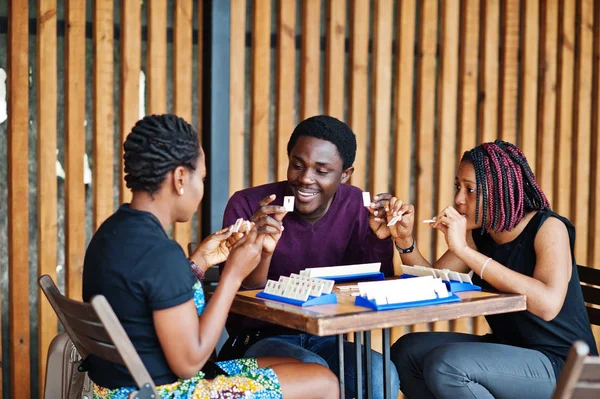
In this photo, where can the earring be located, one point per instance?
(181, 191)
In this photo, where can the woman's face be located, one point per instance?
(465, 196)
(193, 189)
(315, 172)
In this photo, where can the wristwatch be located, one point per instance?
(406, 250)
(197, 270)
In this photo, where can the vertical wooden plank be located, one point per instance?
(381, 98)
(403, 112)
(156, 58)
(509, 74)
(285, 84)
(261, 64)
(547, 98)
(200, 91)
(468, 94)
(428, 27)
(488, 110)
(468, 90)
(237, 73)
(564, 143)
(594, 253)
(47, 91)
(310, 58)
(335, 58)
(18, 193)
(358, 86)
(75, 146)
(103, 109)
(581, 182)
(447, 116)
(182, 85)
(529, 78)
(129, 83)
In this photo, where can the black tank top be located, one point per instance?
(524, 329)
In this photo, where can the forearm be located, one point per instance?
(541, 298)
(258, 277)
(412, 258)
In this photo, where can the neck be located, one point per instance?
(508, 236)
(143, 201)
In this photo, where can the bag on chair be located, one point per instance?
(63, 378)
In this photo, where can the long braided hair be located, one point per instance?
(157, 145)
(506, 184)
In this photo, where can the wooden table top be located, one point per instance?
(345, 317)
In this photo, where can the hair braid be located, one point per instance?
(157, 145)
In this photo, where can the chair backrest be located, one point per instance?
(95, 329)
(590, 286)
(580, 377)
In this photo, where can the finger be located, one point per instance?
(382, 196)
(223, 234)
(268, 230)
(268, 210)
(267, 200)
(269, 221)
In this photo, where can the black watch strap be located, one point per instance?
(407, 250)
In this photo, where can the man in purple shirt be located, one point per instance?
(330, 226)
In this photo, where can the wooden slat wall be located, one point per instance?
(237, 94)
(310, 58)
(103, 176)
(285, 84)
(18, 193)
(261, 63)
(129, 83)
(447, 116)
(47, 95)
(182, 89)
(75, 145)
(403, 111)
(526, 71)
(381, 96)
(547, 101)
(358, 86)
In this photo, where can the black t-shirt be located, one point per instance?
(524, 329)
(134, 264)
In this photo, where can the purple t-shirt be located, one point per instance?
(341, 237)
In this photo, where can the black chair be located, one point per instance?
(590, 286)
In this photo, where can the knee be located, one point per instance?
(403, 350)
(328, 381)
(442, 368)
(279, 348)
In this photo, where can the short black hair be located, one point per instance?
(328, 128)
(156, 146)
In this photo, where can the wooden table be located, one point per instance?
(344, 317)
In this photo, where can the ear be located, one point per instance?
(346, 174)
(178, 178)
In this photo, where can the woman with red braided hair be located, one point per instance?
(502, 228)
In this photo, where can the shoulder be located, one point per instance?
(350, 194)
(256, 194)
(553, 231)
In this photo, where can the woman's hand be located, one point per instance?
(402, 230)
(268, 219)
(245, 254)
(377, 215)
(215, 248)
(454, 227)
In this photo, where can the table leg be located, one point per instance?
(358, 365)
(368, 376)
(340, 340)
(387, 380)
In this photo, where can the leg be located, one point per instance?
(307, 381)
(284, 345)
(408, 354)
(273, 361)
(326, 347)
(487, 370)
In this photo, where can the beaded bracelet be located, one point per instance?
(197, 270)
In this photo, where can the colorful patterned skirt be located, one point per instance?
(244, 380)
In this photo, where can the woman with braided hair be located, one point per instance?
(502, 228)
(149, 282)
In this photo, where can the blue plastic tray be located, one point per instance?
(361, 301)
(312, 300)
(452, 285)
(377, 276)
